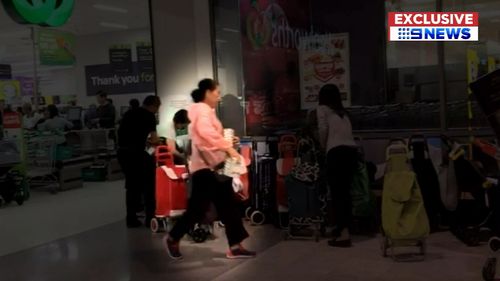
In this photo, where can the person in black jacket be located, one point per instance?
(137, 129)
(106, 112)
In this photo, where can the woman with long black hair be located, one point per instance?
(335, 132)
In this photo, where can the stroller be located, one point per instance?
(305, 201)
(490, 267)
(404, 220)
(363, 199)
(13, 184)
(262, 193)
(287, 148)
(473, 221)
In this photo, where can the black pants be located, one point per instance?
(206, 189)
(139, 169)
(341, 165)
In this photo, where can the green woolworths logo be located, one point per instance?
(41, 12)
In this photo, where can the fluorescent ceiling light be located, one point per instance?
(113, 25)
(110, 8)
(231, 30)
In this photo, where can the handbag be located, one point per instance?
(215, 160)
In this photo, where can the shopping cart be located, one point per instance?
(12, 180)
(41, 162)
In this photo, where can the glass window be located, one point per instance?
(412, 77)
(229, 64)
(466, 61)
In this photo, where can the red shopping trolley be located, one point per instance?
(171, 190)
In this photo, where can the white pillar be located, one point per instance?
(183, 53)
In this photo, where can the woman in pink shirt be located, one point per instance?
(209, 151)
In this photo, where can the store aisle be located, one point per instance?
(45, 217)
(114, 253)
(447, 259)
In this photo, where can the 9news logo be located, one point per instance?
(433, 26)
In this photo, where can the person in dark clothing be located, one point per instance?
(134, 104)
(336, 136)
(106, 112)
(137, 129)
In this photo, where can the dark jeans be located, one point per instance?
(139, 169)
(206, 189)
(341, 165)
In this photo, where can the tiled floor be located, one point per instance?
(101, 248)
(47, 217)
(115, 253)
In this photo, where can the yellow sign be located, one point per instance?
(9, 90)
(472, 66)
(491, 64)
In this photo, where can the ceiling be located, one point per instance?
(89, 17)
(93, 16)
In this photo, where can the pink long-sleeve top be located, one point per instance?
(206, 133)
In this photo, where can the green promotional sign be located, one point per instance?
(56, 47)
(41, 12)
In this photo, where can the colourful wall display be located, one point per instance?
(56, 47)
(271, 32)
(10, 91)
(324, 60)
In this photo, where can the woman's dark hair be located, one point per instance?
(134, 103)
(204, 85)
(102, 94)
(329, 95)
(151, 101)
(181, 117)
(53, 111)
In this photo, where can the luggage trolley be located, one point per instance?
(404, 220)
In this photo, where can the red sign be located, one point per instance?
(271, 32)
(11, 120)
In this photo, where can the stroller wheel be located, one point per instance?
(489, 269)
(155, 225)
(199, 235)
(20, 202)
(494, 244)
(258, 218)
(248, 212)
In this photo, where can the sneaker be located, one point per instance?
(240, 253)
(340, 243)
(172, 248)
